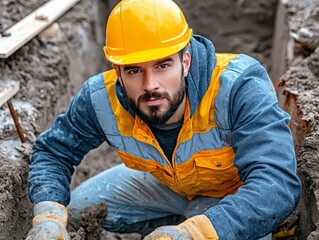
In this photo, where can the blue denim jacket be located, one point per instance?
(258, 133)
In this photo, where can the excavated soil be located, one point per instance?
(51, 69)
(301, 90)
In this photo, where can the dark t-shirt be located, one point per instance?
(167, 136)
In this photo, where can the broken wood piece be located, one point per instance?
(31, 25)
(53, 30)
(7, 90)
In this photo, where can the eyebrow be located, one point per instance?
(126, 68)
(163, 61)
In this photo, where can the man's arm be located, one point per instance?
(265, 159)
(58, 149)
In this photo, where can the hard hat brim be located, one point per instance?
(146, 55)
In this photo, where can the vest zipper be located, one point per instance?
(174, 172)
(155, 144)
(172, 165)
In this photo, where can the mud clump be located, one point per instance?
(89, 226)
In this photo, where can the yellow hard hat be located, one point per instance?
(145, 30)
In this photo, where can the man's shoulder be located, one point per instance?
(241, 68)
(98, 82)
(241, 63)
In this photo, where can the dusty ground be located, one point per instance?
(51, 70)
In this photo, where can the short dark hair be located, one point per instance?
(180, 54)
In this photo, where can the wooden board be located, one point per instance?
(31, 25)
(7, 90)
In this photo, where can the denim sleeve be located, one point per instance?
(265, 160)
(63, 145)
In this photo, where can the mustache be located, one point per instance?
(149, 95)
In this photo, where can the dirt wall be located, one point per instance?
(297, 50)
(51, 69)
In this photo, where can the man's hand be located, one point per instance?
(49, 222)
(169, 233)
(198, 228)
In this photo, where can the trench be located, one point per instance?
(52, 69)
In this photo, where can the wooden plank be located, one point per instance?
(7, 90)
(31, 25)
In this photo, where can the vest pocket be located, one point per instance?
(183, 181)
(216, 169)
(188, 178)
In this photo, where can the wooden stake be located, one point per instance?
(16, 121)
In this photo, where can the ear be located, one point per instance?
(118, 72)
(186, 62)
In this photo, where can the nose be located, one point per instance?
(150, 82)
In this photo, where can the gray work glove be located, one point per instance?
(49, 222)
(195, 228)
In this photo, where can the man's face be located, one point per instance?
(156, 90)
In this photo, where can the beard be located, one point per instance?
(155, 116)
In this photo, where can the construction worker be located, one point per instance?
(207, 152)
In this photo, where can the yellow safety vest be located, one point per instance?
(199, 168)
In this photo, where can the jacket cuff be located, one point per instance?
(50, 210)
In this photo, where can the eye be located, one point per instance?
(163, 66)
(133, 71)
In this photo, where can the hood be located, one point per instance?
(203, 62)
(198, 79)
